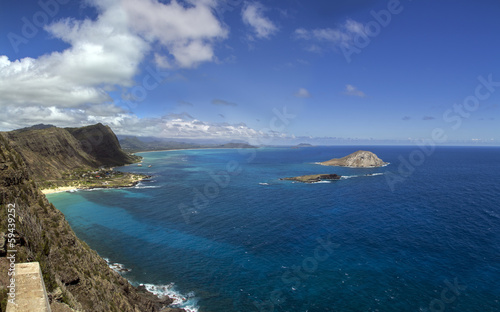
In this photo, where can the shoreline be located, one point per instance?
(194, 149)
(59, 189)
(179, 301)
(80, 187)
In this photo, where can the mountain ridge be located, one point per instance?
(51, 152)
(75, 276)
(135, 144)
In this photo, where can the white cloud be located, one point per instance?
(184, 126)
(302, 93)
(353, 91)
(188, 33)
(180, 126)
(102, 54)
(253, 15)
(14, 117)
(106, 52)
(71, 87)
(341, 36)
(163, 62)
(302, 33)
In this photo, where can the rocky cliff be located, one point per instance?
(51, 152)
(100, 142)
(74, 275)
(359, 159)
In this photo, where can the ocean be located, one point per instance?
(219, 230)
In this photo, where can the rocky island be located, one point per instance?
(314, 178)
(359, 159)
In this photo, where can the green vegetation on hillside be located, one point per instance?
(55, 155)
(74, 275)
(100, 178)
(100, 142)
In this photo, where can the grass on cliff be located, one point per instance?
(101, 178)
(3, 299)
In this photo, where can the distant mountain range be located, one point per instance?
(136, 144)
(50, 151)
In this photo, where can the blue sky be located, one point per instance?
(385, 71)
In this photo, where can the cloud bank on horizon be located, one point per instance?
(71, 87)
(147, 67)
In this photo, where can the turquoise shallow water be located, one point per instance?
(231, 236)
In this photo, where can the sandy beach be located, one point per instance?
(184, 149)
(59, 189)
(132, 181)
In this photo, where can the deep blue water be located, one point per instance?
(233, 237)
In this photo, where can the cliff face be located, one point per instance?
(100, 142)
(74, 275)
(359, 159)
(50, 152)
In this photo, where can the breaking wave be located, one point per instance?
(362, 175)
(187, 302)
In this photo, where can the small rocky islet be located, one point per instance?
(359, 159)
(313, 178)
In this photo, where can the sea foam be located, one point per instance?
(187, 302)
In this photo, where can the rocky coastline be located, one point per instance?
(75, 276)
(75, 186)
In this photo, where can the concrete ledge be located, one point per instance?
(29, 289)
